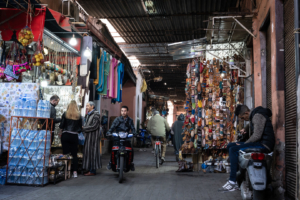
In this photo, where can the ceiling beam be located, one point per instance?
(144, 66)
(163, 16)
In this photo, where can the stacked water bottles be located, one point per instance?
(29, 157)
(43, 109)
(26, 106)
(3, 176)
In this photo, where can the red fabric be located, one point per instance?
(19, 22)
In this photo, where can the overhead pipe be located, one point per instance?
(227, 17)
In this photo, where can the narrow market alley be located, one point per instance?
(146, 183)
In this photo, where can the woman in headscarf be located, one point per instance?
(177, 138)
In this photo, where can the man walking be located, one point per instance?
(91, 149)
(158, 126)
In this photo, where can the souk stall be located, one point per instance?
(213, 90)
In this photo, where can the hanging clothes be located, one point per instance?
(100, 85)
(120, 81)
(94, 68)
(116, 80)
(97, 60)
(111, 92)
(106, 73)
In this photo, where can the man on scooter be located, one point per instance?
(123, 123)
(262, 136)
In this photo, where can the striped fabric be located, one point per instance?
(91, 149)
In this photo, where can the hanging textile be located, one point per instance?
(144, 86)
(94, 69)
(120, 81)
(100, 85)
(111, 92)
(106, 73)
(116, 80)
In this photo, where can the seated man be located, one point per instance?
(262, 137)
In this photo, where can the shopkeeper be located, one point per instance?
(54, 100)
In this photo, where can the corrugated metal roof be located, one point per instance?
(147, 35)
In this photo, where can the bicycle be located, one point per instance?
(158, 151)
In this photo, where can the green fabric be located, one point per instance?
(106, 74)
(158, 125)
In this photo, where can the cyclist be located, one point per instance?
(123, 123)
(158, 126)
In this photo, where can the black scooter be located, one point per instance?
(121, 154)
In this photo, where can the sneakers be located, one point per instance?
(162, 160)
(74, 174)
(229, 187)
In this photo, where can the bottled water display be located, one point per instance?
(2, 175)
(26, 105)
(43, 109)
(28, 161)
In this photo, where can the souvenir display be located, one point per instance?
(65, 94)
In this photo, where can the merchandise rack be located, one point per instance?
(33, 122)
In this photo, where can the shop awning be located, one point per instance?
(59, 25)
(12, 19)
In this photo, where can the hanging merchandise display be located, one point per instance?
(213, 90)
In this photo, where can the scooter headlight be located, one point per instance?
(122, 134)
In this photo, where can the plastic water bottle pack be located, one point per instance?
(28, 157)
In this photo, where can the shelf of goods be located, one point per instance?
(29, 151)
(213, 89)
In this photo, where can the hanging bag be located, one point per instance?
(81, 139)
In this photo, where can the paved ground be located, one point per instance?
(146, 183)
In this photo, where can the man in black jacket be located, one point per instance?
(123, 123)
(262, 137)
(54, 100)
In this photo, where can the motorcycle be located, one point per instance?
(143, 138)
(254, 174)
(121, 154)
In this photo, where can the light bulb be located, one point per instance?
(87, 52)
(73, 41)
(44, 83)
(46, 51)
(222, 75)
(165, 83)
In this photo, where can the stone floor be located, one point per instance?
(145, 183)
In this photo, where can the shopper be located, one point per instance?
(71, 125)
(91, 148)
(177, 129)
(158, 126)
(262, 137)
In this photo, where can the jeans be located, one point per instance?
(93, 171)
(233, 149)
(69, 143)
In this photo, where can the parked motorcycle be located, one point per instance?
(121, 154)
(254, 174)
(143, 138)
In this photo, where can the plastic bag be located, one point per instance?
(81, 139)
(38, 59)
(25, 36)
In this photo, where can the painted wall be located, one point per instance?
(113, 109)
(275, 8)
(128, 98)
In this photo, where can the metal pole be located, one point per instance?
(237, 21)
